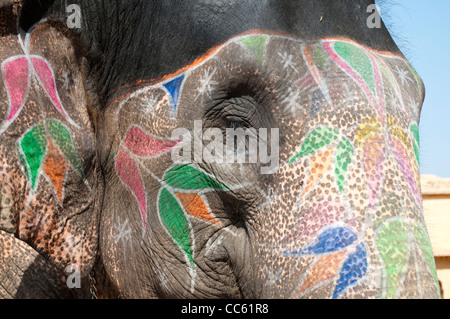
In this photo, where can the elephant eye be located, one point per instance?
(232, 112)
(234, 123)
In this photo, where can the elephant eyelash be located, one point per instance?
(236, 123)
(234, 113)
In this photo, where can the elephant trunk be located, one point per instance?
(365, 240)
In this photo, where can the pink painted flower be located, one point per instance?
(18, 73)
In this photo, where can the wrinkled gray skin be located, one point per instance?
(340, 217)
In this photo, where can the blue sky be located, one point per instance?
(422, 31)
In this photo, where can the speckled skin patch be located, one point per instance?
(342, 216)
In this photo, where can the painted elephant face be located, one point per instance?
(272, 166)
(329, 206)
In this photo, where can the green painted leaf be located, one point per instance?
(358, 60)
(344, 155)
(392, 243)
(187, 177)
(32, 150)
(415, 133)
(317, 139)
(414, 129)
(176, 223)
(256, 45)
(320, 57)
(63, 139)
(423, 242)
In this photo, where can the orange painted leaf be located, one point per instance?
(325, 268)
(55, 169)
(196, 206)
(319, 165)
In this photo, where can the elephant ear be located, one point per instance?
(51, 151)
(59, 66)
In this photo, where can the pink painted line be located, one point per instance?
(307, 83)
(142, 144)
(16, 77)
(374, 156)
(128, 172)
(379, 88)
(349, 70)
(45, 75)
(404, 161)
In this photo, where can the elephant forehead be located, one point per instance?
(303, 85)
(305, 77)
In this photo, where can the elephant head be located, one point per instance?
(267, 159)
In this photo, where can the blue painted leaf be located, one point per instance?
(353, 269)
(174, 89)
(331, 240)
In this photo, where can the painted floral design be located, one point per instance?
(18, 73)
(47, 149)
(184, 195)
(183, 189)
(377, 138)
(136, 146)
(327, 146)
(339, 252)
